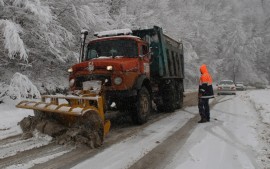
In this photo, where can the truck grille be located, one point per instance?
(80, 79)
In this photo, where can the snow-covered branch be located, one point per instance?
(3, 90)
(2, 3)
(21, 87)
(13, 42)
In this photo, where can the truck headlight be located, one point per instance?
(70, 70)
(109, 68)
(117, 80)
(71, 82)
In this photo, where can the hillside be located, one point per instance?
(40, 39)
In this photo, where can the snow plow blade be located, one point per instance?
(71, 108)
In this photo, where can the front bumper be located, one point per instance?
(120, 93)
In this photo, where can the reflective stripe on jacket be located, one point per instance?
(205, 86)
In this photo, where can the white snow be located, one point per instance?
(37, 161)
(114, 32)
(13, 148)
(236, 137)
(132, 149)
(232, 141)
(21, 87)
(13, 42)
(9, 117)
(262, 105)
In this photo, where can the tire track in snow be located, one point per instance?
(10, 139)
(233, 140)
(160, 156)
(24, 157)
(12, 148)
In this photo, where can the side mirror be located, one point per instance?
(151, 51)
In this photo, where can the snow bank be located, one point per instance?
(10, 116)
(260, 99)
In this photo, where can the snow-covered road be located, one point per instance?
(236, 137)
(232, 140)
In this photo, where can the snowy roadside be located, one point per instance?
(261, 101)
(10, 130)
(235, 139)
(9, 118)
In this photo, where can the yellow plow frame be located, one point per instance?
(76, 106)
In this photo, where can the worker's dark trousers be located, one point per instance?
(204, 108)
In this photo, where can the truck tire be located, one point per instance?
(168, 98)
(179, 97)
(143, 107)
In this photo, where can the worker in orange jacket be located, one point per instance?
(204, 94)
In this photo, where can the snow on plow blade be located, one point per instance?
(69, 107)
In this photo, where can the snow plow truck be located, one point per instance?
(120, 70)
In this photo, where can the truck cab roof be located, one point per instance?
(136, 38)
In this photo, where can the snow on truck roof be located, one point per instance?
(110, 37)
(113, 32)
(125, 33)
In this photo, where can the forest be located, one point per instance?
(40, 40)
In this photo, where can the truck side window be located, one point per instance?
(141, 50)
(145, 49)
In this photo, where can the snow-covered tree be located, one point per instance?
(21, 87)
(215, 32)
(13, 42)
(2, 3)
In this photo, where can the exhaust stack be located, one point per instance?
(84, 33)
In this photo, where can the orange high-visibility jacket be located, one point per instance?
(205, 86)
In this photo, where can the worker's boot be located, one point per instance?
(203, 120)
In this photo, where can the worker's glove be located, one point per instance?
(202, 90)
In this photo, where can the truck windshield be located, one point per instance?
(112, 48)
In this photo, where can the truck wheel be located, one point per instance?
(179, 101)
(169, 98)
(179, 95)
(143, 107)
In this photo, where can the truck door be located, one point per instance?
(144, 59)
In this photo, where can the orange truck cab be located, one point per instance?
(135, 67)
